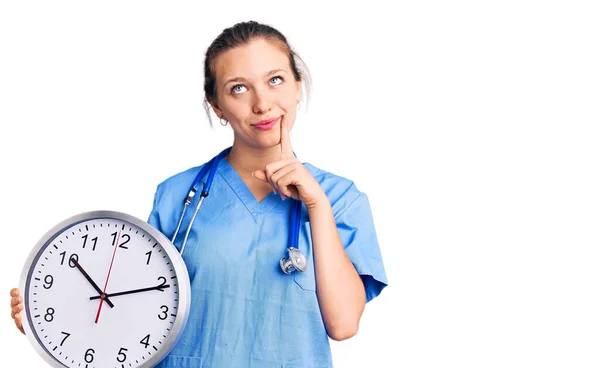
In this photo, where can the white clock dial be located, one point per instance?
(104, 289)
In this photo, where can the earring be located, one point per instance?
(226, 122)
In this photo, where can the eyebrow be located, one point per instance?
(239, 79)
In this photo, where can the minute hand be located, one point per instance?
(159, 287)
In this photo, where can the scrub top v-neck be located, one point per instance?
(257, 209)
(245, 312)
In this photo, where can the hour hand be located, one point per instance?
(159, 287)
(85, 274)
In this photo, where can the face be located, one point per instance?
(255, 84)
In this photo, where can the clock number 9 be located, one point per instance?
(89, 354)
(48, 280)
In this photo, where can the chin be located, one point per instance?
(264, 142)
(270, 143)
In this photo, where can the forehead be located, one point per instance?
(250, 60)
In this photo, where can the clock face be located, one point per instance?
(104, 291)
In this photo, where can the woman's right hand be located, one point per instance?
(16, 305)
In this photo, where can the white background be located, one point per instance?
(471, 125)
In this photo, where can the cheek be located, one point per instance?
(288, 100)
(236, 109)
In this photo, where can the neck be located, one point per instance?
(245, 159)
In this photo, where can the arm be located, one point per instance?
(340, 290)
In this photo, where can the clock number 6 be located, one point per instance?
(89, 354)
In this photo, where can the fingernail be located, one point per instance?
(282, 197)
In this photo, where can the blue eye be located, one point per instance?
(234, 91)
(277, 77)
(239, 88)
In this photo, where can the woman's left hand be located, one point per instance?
(288, 176)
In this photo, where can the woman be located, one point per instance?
(247, 312)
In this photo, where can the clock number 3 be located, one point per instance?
(164, 312)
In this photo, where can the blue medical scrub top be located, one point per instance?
(245, 312)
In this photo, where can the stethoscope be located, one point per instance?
(296, 261)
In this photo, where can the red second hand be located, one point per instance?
(107, 276)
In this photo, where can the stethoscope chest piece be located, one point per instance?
(296, 261)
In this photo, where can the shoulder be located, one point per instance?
(342, 192)
(178, 183)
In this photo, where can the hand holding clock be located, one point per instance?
(52, 303)
(16, 301)
(16, 305)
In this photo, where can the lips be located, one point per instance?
(266, 122)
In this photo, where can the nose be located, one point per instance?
(262, 102)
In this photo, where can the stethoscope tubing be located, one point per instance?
(211, 168)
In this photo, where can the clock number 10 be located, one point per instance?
(72, 259)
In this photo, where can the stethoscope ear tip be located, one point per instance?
(296, 261)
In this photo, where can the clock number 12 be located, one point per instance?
(124, 236)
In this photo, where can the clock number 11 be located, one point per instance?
(85, 241)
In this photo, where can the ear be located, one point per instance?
(216, 109)
(299, 90)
